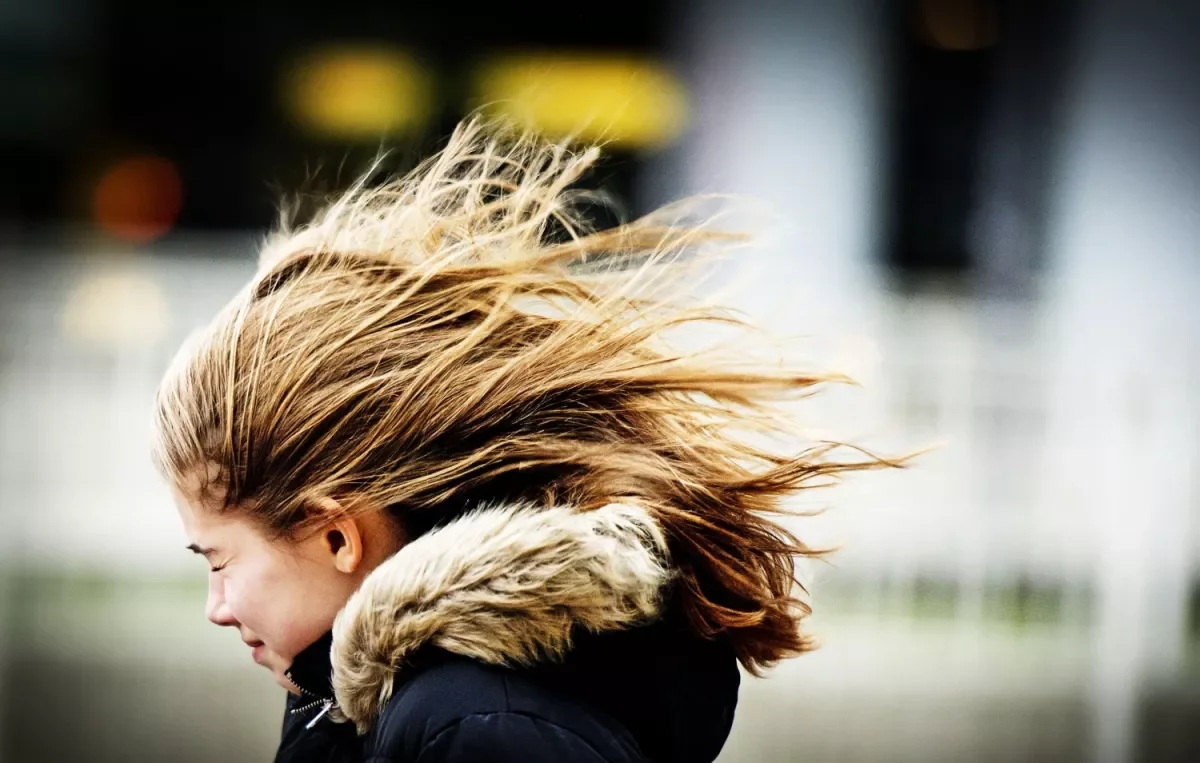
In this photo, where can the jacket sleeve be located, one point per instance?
(506, 737)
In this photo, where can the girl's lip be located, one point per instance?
(257, 651)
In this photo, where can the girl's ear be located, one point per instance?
(340, 542)
(344, 541)
(354, 539)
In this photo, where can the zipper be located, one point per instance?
(320, 715)
(326, 704)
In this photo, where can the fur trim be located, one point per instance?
(505, 586)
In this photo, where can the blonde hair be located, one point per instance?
(449, 339)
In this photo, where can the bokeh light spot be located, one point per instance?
(138, 199)
(358, 93)
(622, 100)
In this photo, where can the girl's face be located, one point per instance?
(280, 595)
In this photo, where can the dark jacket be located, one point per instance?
(514, 635)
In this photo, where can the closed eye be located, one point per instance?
(207, 553)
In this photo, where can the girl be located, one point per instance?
(454, 487)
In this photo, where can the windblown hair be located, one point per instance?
(457, 337)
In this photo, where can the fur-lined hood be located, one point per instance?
(505, 585)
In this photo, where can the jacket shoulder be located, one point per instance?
(455, 708)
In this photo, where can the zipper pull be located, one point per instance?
(328, 706)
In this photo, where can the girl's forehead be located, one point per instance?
(201, 512)
(202, 488)
(197, 516)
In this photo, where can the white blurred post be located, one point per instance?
(786, 102)
(1125, 287)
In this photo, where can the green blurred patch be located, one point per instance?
(1025, 603)
(1017, 604)
(935, 599)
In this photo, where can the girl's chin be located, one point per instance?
(283, 681)
(277, 665)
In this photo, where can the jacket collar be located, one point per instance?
(311, 670)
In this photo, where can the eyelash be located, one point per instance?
(217, 569)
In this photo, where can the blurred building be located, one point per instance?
(986, 212)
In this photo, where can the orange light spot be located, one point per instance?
(138, 199)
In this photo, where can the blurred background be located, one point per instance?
(987, 212)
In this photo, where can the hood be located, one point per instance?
(506, 586)
(581, 598)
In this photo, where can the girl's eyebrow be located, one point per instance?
(198, 550)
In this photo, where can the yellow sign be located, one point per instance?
(622, 100)
(359, 93)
